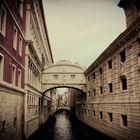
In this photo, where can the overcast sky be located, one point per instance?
(79, 30)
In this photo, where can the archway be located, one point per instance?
(52, 101)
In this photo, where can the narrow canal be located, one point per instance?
(60, 127)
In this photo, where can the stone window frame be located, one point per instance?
(110, 117)
(1, 67)
(19, 78)
(3, 126)
(101, 115)
(15, 37)
(101, 90)
(94, 92)
(124, 82)
(110, 85)
(88, 112)
(19, 5)
(94, 113)
(20, 45)
(124, 120)
(3, 21)
(88, 78)
(94, 75)
(101, 70)
(15, 122)
(123, 55)
(109, 64)
(13, 75)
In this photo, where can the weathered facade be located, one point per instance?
(113, 83)
(24, 52)
(12, 68)
(28, 78)
(37, 56)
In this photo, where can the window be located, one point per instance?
(109, 64)
(94, 92)
(88, 78)
(93, 113)
(55, 76)
(15, 38)
(89, 112)
(20, 45)
(101, 90)
(101, 70)
(2, 20)
(94, 76)
(110, 87)
(1, 67)
(72, 76)
(13, 75)
(19, 4)
(19, 78)
(85, 112)
(89, 93)
(101, 115)
(123, 56)
(110, 117)
(124, 83)
(3, 126)
(15, 120)
(124, 120)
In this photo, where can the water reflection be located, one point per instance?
(60, 127)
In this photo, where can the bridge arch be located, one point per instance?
(61, 86)
(63, 74)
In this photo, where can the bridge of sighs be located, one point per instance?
(63, 74)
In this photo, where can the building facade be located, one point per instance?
(112, 105)
(24, 52)
(12, 68)
(37, 56)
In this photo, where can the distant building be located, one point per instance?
(63, 100)
(112, 105)
(12, 68)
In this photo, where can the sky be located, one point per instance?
(80, 30)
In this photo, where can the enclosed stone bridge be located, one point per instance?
(63, 74)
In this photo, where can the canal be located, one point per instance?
(60, 127)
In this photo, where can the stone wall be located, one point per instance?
(112, 105)
(11, 115)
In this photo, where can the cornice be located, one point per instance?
(31, 47)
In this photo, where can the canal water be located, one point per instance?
(60, 127)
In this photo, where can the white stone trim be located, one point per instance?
(8, 88)
(13, 75)
(15, 20)
(20, 45)
(15, 37)
(19, 78)
(1, 67)
(4, 22)
(11, 56)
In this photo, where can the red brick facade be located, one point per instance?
(11, 56)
